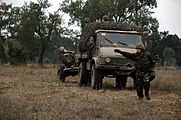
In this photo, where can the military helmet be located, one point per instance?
(105, 18)
(87, 20)
(140, 46)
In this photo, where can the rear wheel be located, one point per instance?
(96, 78)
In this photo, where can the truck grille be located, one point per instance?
(117, 62)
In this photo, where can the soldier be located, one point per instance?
(142, 68)
(105, 18)
(87, 20)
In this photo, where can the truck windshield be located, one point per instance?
(122, 39)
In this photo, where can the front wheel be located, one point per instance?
(96, 78)
(121, 81)
(118, 81)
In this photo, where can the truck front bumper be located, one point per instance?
(116, 70)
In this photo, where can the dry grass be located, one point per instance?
(30, 93)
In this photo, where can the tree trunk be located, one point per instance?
(40, 56)
(8, 58)
(6, 51)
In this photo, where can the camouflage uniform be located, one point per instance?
(142, 71)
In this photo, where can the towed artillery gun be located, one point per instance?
(96, 56)
(70, 67)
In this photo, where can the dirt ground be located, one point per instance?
(31, 93)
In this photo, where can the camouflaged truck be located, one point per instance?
(97, 56)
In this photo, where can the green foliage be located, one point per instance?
(38, 28)
(134, 12)
(11, 53)
(28, 26)
(23, 30)
(168, 54)
(172, 42)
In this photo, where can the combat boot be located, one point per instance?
(148, 97)
(141, 99)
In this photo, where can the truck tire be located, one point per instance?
(134, 81)
(96, 78)
(82, 74)
(118, 81)
(61, 74)
(121, 81)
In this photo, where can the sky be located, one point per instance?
(167, 13)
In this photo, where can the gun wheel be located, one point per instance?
(61, 74)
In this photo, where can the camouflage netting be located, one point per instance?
(90, 28)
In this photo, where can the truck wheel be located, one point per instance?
(82, 74)
(134, 81)
(118, 81)
(123, 81)
(96, 78)
(61, 74)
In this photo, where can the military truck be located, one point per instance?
(98, 59)
(96, 56)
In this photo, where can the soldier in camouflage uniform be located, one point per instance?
(142, 69)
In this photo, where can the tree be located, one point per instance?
(171, 41)
(37, 27)
(4, 15)
(168, 54)
(9, 18)
(136, 12)
(27, 29)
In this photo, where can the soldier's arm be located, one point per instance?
(131, 56)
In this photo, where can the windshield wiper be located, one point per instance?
(123, 43)
(108, 40)
(118, 42)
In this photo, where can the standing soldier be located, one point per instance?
(85, 35)
(143, 63)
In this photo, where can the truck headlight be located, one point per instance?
(108, 60)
